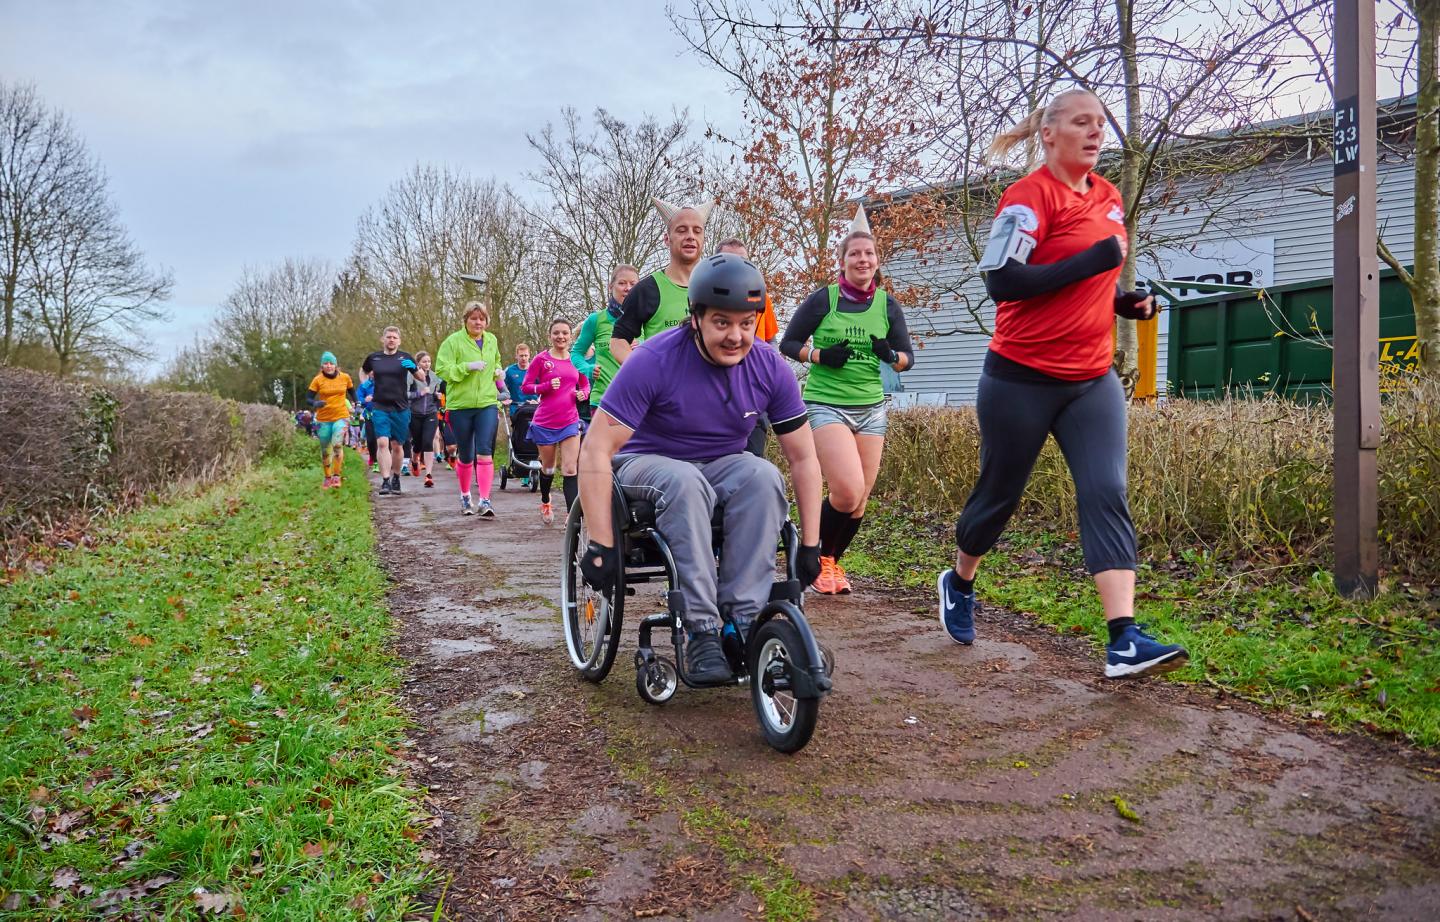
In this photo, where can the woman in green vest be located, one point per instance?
(469, 363)
(842, 333)
(595, 333)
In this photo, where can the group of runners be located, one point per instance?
(669, 393)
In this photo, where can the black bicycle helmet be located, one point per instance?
(728, 282)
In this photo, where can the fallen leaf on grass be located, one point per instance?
(359, 902)
(64, 878)
(84, 714)
(217, 903)
(133, 891)
(314, 849)
(140, 640)
(40, 795)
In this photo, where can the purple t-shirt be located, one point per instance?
(682, 407)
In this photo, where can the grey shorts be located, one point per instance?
(859, 420)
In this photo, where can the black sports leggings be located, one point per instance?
(422, 432)
(1088, 421)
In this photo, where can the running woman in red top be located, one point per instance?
(555, 427)
(1052, 266)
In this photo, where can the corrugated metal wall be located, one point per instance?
(1290, 202)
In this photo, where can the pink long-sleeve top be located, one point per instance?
(557, 405)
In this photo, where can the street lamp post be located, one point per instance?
(1356, 303)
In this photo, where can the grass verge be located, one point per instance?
(199, 715)
(1281, 638)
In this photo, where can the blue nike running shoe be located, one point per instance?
(957, 611)
(1136, 653)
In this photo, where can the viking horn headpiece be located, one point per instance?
(860, 222)
(668, 211)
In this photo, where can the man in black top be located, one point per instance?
(390, 409)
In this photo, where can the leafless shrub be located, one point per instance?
(1238, 478)
(78, 450)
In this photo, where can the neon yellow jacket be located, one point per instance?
(466, 389)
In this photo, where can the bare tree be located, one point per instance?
(598, 184)
(1423, 281)
(828, 124)
(41, 158)
(411, 248)
(1168, 72)
(267, 338)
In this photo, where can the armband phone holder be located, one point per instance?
(1007, 241)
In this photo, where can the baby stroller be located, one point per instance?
(524, 456)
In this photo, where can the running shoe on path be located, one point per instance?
(957, 610)
(1136, 653)
(825, 582)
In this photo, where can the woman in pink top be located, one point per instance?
(555, 428)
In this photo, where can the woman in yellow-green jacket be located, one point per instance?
(468, 361)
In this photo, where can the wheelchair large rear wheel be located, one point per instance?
(776, 654)
(591, 619)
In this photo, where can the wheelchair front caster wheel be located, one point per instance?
(656, 681)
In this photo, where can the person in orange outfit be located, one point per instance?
(331, 394)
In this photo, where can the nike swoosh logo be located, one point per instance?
(1127, 653)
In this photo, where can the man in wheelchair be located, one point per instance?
(672, 428)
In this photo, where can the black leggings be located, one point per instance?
(1088, 421)
(370, 440)
(422, 433)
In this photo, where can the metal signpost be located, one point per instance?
(1356, 303)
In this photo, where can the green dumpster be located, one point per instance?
(1277, 341)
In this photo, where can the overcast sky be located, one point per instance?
(241, 133)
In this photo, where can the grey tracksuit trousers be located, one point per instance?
(1089, 423)
(751, 494)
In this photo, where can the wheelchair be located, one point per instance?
(786, 669)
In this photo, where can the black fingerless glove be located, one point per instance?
(1127, 305)
(835, 356)
(883, 350)
(600, 566)
(807, 564)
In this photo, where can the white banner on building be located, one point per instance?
(1247, 261)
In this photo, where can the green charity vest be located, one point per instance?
(857, 383)
(605, 364)
(674, 306)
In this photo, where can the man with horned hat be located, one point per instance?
(659, 300)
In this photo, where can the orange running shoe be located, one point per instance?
(842, 582)
(547, 515)
(825, 582)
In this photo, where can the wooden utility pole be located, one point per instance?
(1356, 303)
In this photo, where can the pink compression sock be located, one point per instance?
(484, 476)
(463, 472)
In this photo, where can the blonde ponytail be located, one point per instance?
(1024, 130)
(1028, 129)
